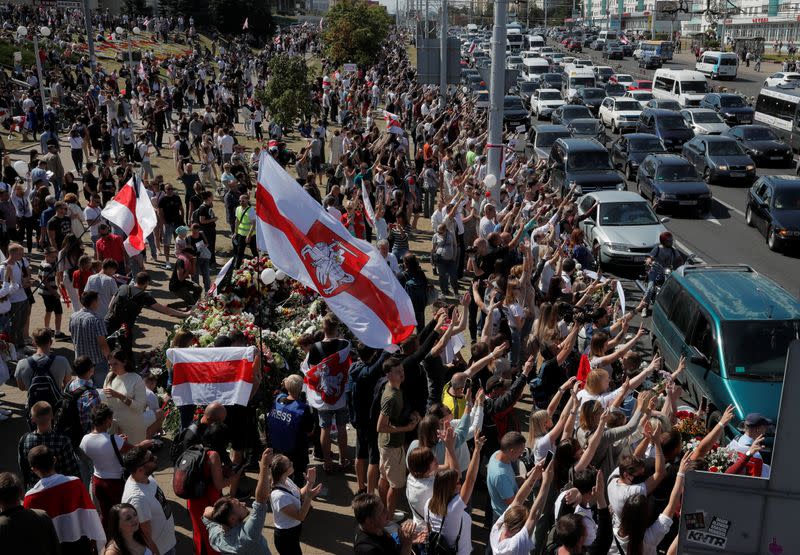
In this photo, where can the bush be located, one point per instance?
(286, 93)
(354, 31)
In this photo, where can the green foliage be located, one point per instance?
(354, 31)
(286, 93)
(229, 15)
(7, 50)
(187, 8)
(136, 7)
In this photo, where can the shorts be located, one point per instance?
(326, 418)
(367, 446)
(52, 304)
(238, 422)
(169, 232)
(393, 466)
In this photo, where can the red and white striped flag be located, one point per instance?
(67, 503)
(220, 277)
(472, 47)
(368, 209)
(393, 123)
(325, 381)
(132, 211)
(203, 375)
(314, 248)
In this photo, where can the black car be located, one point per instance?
(762, 144)
(628, 151)
(551, 80)
(773, 207)
(584, 163)
(720, 159)
(730, 106)
(514, 112)
(568, 112)
(603, 73)
(591, 97)
(663, 104)
(615, 89)
(671, 182)
(587, 128)
(525, 89)
(667, 125)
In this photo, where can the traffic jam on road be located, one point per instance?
(652, 144)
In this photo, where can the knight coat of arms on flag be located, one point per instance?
(325, 381)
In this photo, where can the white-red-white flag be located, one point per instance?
(132, 212)
(472, 46)
(200, 376)
(368, 209)
(393, 123)
(326, 380)
(221, 277)
(66, 501)
(313, 247)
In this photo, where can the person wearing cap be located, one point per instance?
(181, 283)
(755, 426)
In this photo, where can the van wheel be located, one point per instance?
(748, 216)
(707, 175)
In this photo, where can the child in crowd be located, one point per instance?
(49, 290)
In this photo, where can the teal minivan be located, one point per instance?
(734, 327)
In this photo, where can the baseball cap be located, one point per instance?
(756, 419)
(496, 381)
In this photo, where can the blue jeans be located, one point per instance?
(100, 372)
(448, 272)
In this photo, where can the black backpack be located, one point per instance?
(188, 481)
(186, 438)
(67, 417)
(123, 308)
(437, 545)
(43, 386)
(137, 153)
(183, 148)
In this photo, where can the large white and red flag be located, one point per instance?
(313, 247)
(66, 501)
(132, 211)
(326, 380)
(368, 209)
(200, 376)
(393, 123)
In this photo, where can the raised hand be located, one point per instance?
(727, 416)
(311, 476)
(480, 440)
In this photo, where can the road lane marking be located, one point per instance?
(686, 250)
(709, 217)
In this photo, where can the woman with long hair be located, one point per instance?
(125, 536)
(601, 344)
(68, 261)
(446, 512)
(126, 394)
(637, 534)
(543, 435)
(290, 504)
(415, 281)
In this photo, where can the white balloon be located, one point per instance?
(21, 168)
(490, 181)
(268, 276)
(280, 275)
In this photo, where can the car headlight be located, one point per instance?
(722, 168)
(754, 152)
(750, 167)
(705, 195)
(618, 247)
(668, 196)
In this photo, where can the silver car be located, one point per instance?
(622, 227)
(704, 121)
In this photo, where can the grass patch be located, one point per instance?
(412, 54)
(7, 50)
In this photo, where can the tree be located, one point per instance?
(136, 7)
(286, 93)
(354, 31)
(229, 15)
(198, 9)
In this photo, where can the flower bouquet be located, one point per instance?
(720, 459)
(689, 424)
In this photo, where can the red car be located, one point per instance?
(565, 41)
(574, 46)
(640, 85)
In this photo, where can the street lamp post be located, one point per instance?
(22, 31)
(135, 31)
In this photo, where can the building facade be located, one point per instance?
(773, 20)
(630, 15)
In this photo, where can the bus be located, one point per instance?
(777, 107)
(661, 48)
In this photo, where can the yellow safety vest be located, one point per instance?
(243, 223)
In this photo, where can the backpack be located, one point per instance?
(183, 149)
(188, 480)
(43, 386)
(186, 438)
(122, 308)
(137, 153)
(67, 417)
(417, 291)
(283, 422)
(195, 218)
(436, 544)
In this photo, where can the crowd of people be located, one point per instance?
(523, 396)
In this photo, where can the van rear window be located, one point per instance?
(756, 349)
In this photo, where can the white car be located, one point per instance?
(782, 78)
(642, 97)
(585, 62)
(620, 113)
(622, 79)
(704, 121)
(544, 101)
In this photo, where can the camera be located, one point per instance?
(114, 339)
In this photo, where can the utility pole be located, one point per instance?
(496, 94)
(427, 27)
(545, 13)
(443, 58)
(653, 20)
(87, 21)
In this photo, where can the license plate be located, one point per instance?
(639, 258)
(737, 174)
(776, 157)
(687, 202)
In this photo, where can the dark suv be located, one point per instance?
(584, 163)
(730, 106)
(667, 125)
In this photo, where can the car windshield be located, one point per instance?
(708, 117)
(547, 138)
(624, 79)
(787, 199)
(527, 86)
(756, 349)
(668, 105)
(646, 85)
(627, 213)
(760, 134)
(513, 104)
(677, 173)
(584, 127)
(515, 60)
(645, 145)
(549, 95)
(622, 105)
(580, 82)
(605, 71)
(694, 87)
(725, 148)
(643, 96)
(555, 79)
(732, 102)
(792, 77)
(574, 112)
(615, 90)
(588, 161)
(671, 122)
(594, 93)
(482, 97)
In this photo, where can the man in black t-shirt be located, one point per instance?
(189, 178)
(371, 538)
(170, 208)
(59, 226)
(208, 223)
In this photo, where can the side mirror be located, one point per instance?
(589, 221)
(698, 358)
(664, 220)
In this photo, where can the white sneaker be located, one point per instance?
(167, 266)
